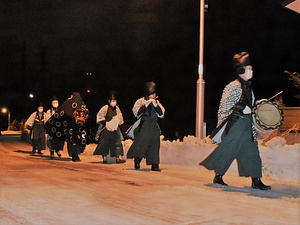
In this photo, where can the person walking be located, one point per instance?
(70, 124)
(146, 142)
(235, 132)
(36, 130)
(109, 119)
(55, 145)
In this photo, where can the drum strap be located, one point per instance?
(246, 97)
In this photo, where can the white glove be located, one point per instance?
(247, 110)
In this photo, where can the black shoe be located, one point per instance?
(51, 154)
(75, 158)
(155, 167)
(119, 161)
(137, 162)
(33, 151)
(40, 152)
(258, 184)
(219, 180)
(58, 153)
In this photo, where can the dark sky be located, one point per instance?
(48, 46)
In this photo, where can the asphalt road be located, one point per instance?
(38, 190)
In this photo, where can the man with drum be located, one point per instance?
(235, 132)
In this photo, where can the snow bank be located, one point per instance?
(280, 160)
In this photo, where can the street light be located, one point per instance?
(5, 110)
(200, 82)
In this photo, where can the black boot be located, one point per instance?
(75, 158)
(258, 184)
(58, 153)
(219, 180)
(33, 150)
(40, 152)
(155, 167)
(137, 162)
(51, 153)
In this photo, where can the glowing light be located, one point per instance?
(31, 96)
(4, 110)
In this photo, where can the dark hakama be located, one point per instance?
(55, 144)
(236, 144)
(110, 142)
(147, 141)
(38, 133)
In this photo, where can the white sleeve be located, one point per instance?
(30, 120)
(101, 114)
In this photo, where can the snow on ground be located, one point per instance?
(35, 189)
(280, 160)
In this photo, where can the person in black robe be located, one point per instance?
(236, 133)
(36, 130)
(55, 145)
(69, 123)
(147, 134)
(109, 118)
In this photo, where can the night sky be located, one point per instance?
(47, 47)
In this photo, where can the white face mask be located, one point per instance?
(248, 74)
(55, 105)
(113, 104)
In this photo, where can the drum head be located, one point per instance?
(268, 115)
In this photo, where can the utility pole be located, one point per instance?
(200, 82)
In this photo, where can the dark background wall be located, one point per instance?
(47, 47)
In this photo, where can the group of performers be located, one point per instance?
(235, 133)
(68, 123)
(64, 123)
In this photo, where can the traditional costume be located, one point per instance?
(69, 123)
(235, 132)
(35, 123)
(54, 144)
(109, 119)
(147, 134)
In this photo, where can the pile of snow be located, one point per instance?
(280, 160)
(10, 132)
